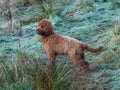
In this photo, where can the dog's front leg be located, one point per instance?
(52, 63)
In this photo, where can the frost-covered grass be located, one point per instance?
(111, 40)
(24, 66)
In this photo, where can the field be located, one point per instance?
(25, 66)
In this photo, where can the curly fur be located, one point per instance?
(55, 44)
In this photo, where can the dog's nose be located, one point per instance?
(37, 29)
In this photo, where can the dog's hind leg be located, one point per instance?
(78, 58)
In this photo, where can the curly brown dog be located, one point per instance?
(55, 44)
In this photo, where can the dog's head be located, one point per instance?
(44, 28)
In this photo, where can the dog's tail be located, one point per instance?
(93, 50)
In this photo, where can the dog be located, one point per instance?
(55, 44)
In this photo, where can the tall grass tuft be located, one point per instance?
(62, 78)
(49, 8)
(27, 73)
(111, 40)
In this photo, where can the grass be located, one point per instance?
(47, 9)
(115, 4)
(110, 41)
(27, 73)
(50, 8)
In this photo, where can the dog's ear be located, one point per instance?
(49, 29)
(47, 33)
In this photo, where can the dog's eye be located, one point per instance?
(42, 26)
